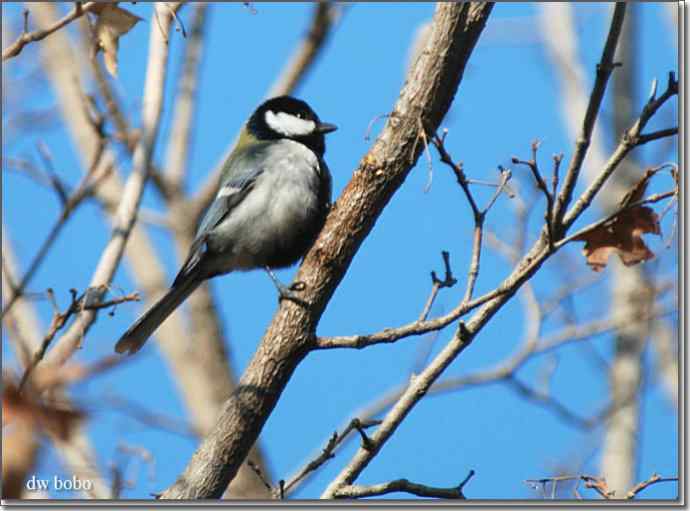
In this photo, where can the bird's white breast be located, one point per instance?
(284, 196)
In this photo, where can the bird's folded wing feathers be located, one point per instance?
(231, 192)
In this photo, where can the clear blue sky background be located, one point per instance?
(509, 96)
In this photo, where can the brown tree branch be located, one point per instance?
(630, 140)
(427, 96)
(389, 335)
(406, 398)
(60, 319)
(326, 454)
(403, 485)
(641, 486)
(539, 346)
(438, 284)
(28, 37)
(420, 385)
(478, 215)
(533, 166)
(203, 375)
(558, 25)
(599, 484)
(651, 199)
(604, 69)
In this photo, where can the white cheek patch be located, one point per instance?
(289, 125)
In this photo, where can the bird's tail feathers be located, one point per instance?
(135, 337)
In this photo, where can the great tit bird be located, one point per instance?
(272, 201)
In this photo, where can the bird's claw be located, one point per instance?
(288, 292)
(298, 286)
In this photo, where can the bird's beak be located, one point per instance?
(325, 127)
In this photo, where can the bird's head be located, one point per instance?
(291, 118)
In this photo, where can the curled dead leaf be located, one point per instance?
(622, 233)
(112, 23)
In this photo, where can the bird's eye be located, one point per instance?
(300, 115)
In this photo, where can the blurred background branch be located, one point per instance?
(578, 359)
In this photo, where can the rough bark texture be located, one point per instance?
(424, 101)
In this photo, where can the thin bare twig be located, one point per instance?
(439, 143)
(422, 325)
(257, 470)
(415, 328)
(16, 47)
(438, 284)
(179, 26)
(78, 304)
(656, 135)
(597, 484)
(354, 491)
(604, 69)
(533, 165)
(657, 197)
(326, 454)
(551, 403)
(544, 345)
(654, 479)
(630, 140)
(478, 215)
(501, 186)
(85, 189)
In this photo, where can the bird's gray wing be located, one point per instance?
(234, 188)
(231, 192)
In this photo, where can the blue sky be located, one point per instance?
(508, 98)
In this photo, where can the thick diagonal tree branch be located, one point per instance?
(425, 98)
(203, 375)
(535, 257)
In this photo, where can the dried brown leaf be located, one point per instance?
(112, 23)
(23, 408)
(622, 234)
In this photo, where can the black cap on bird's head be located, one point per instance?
(288, 117)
